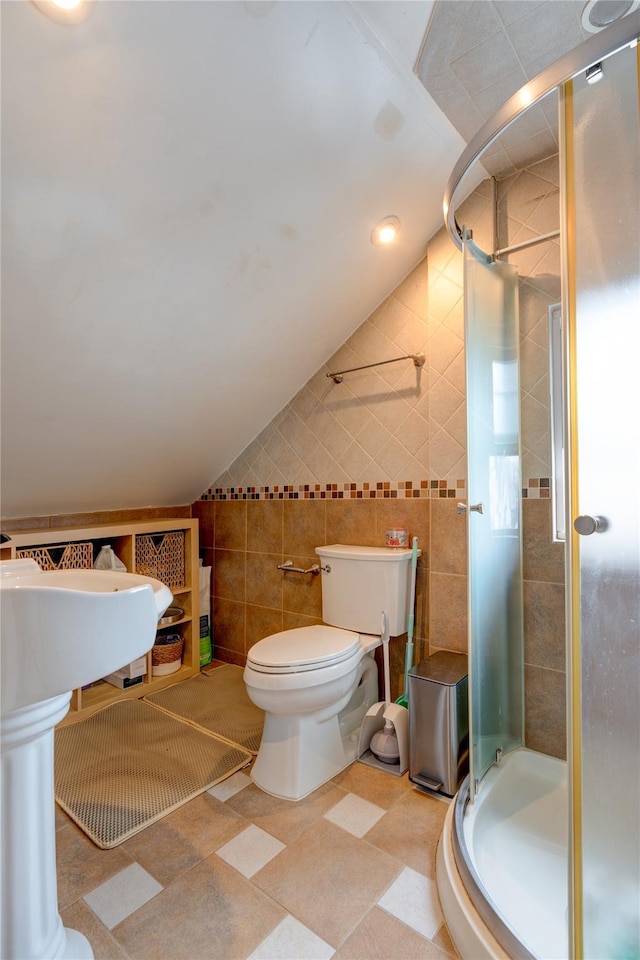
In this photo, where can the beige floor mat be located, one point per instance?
(127, 766)
(217, 701)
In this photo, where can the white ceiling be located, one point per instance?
(188, 192)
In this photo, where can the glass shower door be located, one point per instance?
(604, 360)
(496, 684)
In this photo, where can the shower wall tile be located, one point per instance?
(543, 560)
(545, 719)
(544, 625)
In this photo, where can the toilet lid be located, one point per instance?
(305, 648)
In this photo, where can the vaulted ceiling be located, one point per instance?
(188, 194)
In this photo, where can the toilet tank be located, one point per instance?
(363, 582)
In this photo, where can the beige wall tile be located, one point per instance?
(204, 512)
(304, 527)
(302, 594)
(264, 580)
(448, 547)
(265, 526)
(231, 525)
(352, 522)
(448, 612)
(229, 618)
(261, 622)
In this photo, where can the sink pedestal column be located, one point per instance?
(31, 925)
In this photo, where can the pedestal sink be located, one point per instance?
(61, 629)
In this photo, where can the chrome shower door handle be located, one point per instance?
(474, 508)
(585, 525)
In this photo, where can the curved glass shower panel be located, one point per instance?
(605, 141)
(494, 520)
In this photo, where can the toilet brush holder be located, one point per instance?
(379, 715)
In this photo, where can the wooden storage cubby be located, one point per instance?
(122, 538)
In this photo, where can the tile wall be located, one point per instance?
(387, 448)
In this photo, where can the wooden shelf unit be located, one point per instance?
(122, 538)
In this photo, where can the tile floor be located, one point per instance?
(348, 873)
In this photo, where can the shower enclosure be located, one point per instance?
(541, 857)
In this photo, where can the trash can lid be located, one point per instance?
(442, 667)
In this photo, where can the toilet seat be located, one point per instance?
(303, 649)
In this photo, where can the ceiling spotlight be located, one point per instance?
(386, 232)
(598, 14)
(65, 11)
(594, 73)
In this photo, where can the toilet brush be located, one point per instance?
(384, 743)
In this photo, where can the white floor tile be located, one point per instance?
(119, 897)
(412, 898)
(250, 850)
(291, 940)
(355, 815)
(229, 787)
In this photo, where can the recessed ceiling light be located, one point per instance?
(598, 14)
(385, 232)
(65, 11)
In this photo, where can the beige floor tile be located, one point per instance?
(443, 939)
(328, 880)
(381, 937)
(77, 916)
(187, 836)
(410, 831)
(282, 818)
(381, 788)
(210, 913)
(82, 866)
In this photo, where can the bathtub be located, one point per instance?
(502, 862)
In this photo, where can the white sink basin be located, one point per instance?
(62, 629)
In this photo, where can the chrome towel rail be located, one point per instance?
(288, 567)
(418, 361)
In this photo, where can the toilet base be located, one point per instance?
(298, 754)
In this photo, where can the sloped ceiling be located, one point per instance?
(188, 192)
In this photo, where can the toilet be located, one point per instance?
(315, 684)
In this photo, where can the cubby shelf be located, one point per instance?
(122, 537)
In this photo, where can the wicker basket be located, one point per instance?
(65, 556)
(161, 556)
(166, 654)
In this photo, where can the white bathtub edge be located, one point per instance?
(471, 937)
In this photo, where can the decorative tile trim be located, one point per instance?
(383, 490)
(537, 488)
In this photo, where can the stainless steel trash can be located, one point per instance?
(439, 722)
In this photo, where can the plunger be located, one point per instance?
(384, 743)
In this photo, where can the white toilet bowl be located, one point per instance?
(315, 685)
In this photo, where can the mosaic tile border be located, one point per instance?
(537, 488)
(399, 489)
